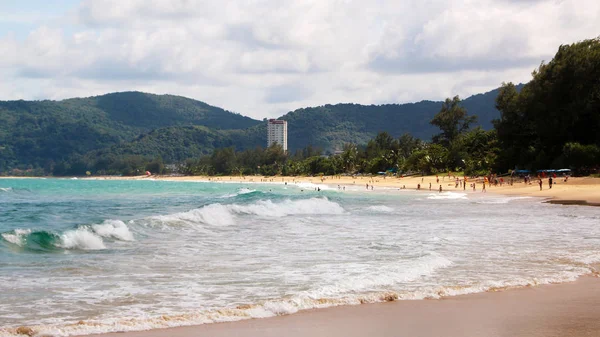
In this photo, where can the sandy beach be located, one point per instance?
(569, 309)
(576, 190)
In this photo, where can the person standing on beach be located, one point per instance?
(550, 182)
(430, 186)
(440, 188)
(483, 189)
(540, 182)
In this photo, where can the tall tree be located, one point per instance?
(452, 121)
(560, 105)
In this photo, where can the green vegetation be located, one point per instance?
(112, 133)
(554, 121)
(38, 135)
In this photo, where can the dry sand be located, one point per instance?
(578, 190)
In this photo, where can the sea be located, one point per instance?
(82, 256)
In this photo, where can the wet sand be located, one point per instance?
(568, 309)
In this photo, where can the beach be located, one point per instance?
(574, 191)
(569, 309)
(505, 265)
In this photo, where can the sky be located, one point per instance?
(264, 58)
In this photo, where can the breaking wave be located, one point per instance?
(380, 209)
(240, 192)
(224, 215)
(501, 200)
(270, 308)
(267, 208)
(116, 229)
(81, 238)
(447, 196)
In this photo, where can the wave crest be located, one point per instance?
(116, 229)
(81, 238)
(447, 196)
(224, 215)
(267, 208)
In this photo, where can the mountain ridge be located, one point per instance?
(43, 132)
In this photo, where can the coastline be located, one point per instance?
(566, 309)
(414, 318)
(576, 191)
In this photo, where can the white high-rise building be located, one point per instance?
(277, 133)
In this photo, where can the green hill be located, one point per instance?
(177, 143)
(40, 134)
(330, 126)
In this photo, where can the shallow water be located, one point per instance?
(84, 256)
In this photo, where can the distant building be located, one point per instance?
(277, 133)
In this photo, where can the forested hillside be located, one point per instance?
(332, 126)
(42, 133)
(61, 137)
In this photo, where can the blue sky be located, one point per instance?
(263, 58)
(20, 17)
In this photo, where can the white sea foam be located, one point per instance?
(241, 191)
(387, 278)
(17, 236)
(447, 196)
(380, 208)
(116, 229)
(225, 215)
(274, 307)
(81, 238)
(214, 214)
(312, 186)
(500, 200)
(267, 208)
(6, 189)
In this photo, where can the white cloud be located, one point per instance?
(263, 58)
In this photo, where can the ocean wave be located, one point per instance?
(242, 191)
(447, 196)
(312, 186)
(116, 229)
(380, 209)
(268, 208)
(500, 200)
(213, 214)
(389, 277)
(224, 214)
(16, 237)
(14, 190)
(34, 241)
(268, 308)
(81, 238)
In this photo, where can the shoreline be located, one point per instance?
(582, 191)
(564, 309)
(334, 320)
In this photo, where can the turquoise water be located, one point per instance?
(85, 256)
